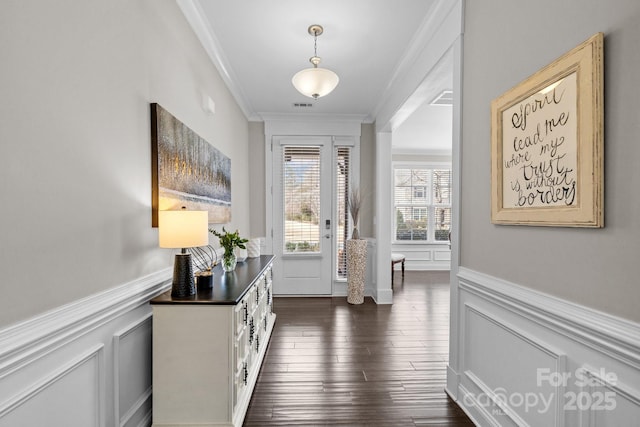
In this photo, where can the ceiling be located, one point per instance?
(258, 45)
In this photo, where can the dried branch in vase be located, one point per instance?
(354, 203)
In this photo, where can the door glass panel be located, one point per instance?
(343, 173)
(301, 199)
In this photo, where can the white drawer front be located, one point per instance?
(240, 316)
(241, 347)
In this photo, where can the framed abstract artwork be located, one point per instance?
(186, 170)
(547, 151)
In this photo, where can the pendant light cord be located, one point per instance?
(315, 43)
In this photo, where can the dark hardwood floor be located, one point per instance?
(331, 363)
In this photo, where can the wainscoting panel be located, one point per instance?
(132, 372)
(70, 395)
(424, 256)
(530, 359)
(442, 255)
(84, 364)
(490, 346)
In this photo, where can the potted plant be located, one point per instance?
(356, 252)
(229, 241)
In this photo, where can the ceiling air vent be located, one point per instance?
(445, 98)
(302, 105)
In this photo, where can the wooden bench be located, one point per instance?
(396, 258)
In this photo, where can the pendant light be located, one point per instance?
(315, 82)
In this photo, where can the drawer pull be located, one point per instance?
(246, 373)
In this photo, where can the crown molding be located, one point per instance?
(426, 48)
(194, 14)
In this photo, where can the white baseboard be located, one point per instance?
(84, 363)
(575, 365)
(383, 296)
(434, 266)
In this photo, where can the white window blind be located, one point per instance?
(343, 175)
(442, 204)
(422, 199)
(301, 198)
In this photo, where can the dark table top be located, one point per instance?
(228, 288)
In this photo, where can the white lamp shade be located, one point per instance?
(183, 229)
(315, 82)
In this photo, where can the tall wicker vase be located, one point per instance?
(356, 267)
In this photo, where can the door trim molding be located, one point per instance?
(344, 132)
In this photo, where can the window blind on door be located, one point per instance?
(343, 175)
(301, 199)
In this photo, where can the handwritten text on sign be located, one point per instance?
(540, 148)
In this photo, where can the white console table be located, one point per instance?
(208, 349)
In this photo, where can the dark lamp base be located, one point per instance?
(183, 284)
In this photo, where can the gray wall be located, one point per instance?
(75, 155)
(367, 179)
(257, 179)
(505, 42)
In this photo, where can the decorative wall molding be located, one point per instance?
(84, 360)
(611, 335)
(436, 35)
(140, 403)
(195, 16)
(35, 337)
(480, 415)
(143, 352)
(513, 343)
(52, 378)
(517, 333)
(610, 390)
(495, 398)
(424, 257)
(556, 361)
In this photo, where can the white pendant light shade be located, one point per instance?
(315, 82)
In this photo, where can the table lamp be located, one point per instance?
(183, 229)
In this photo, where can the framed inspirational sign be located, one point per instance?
(547, 144)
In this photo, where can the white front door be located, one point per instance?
(302, 218)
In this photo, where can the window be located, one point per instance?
(419, 192)
(301, 188)
(422, 200)
(419, 214)
(343, 172)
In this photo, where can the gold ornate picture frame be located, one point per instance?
(547, 152)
